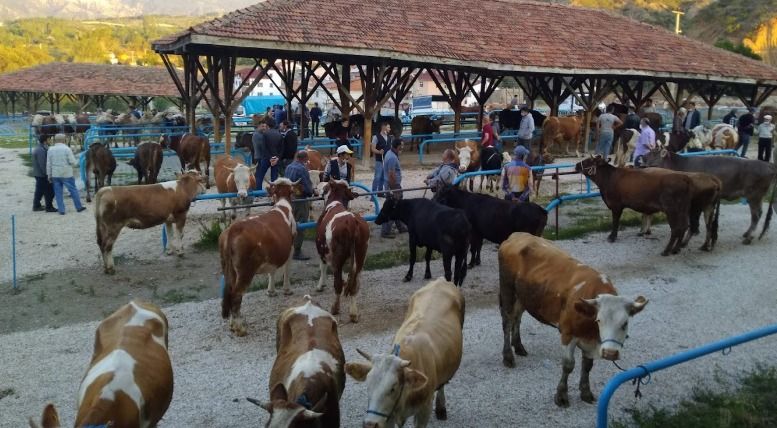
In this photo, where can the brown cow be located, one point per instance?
(130, 379)
(233, 176)
(192, 151)
(257, 244)
(645, 190)
(468, 152)
(427, 353)
(141, 207)
(423, 125)
(316, 161)
(148, 161)
(561, 129)
(341, 237)
(100, 161)
(723, 136)
(307, 378)
(557, 290)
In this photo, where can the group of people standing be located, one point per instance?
(52, 168)
(747, 126)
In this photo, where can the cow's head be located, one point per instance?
(611, 314)
(50, 418)
(590, 165)
(244, 179)
(288, 414)
(282, 188)
(389, 379)
(192, 182)
(435, 125)
(656, 157)
(445, 195)
(389, 211)
(337, 190)
(465, 157)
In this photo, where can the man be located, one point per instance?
(380, 143)
(514, 102)
(339, 168)
(745, 128)
(290, 142)
(270, 151)
(393, 171)
(517, 177)
(280, 114)
(693, 118)
(445, 174)
(765, 139)
(301, 209)
(605, 125)
(43, 187)
(731, 117)
(488, 136)
(648, 107)
(631, 120)
(59, 168)
(315, 118)
(342, 134)
(526, 128)
(645, 143)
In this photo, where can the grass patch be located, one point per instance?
(209, 236)
(8, 392)
(392, 258)
(750, 403)
(14, 143)
(177, 296)
(597, 223)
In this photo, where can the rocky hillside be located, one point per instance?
(91, 9)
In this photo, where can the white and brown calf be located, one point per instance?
(232, 176)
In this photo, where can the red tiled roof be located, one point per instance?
(91, 79)
(500, 35)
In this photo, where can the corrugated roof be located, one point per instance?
(499, 35)
(91, 79)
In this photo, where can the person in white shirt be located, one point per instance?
(765, 139)
(59, 168)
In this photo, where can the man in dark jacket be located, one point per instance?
(290, 142)
(301, 209)
(268, 149)
(631, 121)
(43, 188)
(315, 118)
(731, 118)
(693, 118)
(745, 128)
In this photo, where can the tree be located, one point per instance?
(740, 49)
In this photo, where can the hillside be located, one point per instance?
(92, 9)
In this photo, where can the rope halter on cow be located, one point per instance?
(387, 416)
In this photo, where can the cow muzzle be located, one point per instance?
(610, 354)
(371, 425)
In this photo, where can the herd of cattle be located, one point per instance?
(130, 378)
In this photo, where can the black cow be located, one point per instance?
(435, 227)
(491, 218)
(356, 125)
(148, 161)
(511, 119)
(245, 140)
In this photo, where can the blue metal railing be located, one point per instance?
(644, 370)
(444, 139)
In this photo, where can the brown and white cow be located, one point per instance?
(427, 354)
(257, 244)
(233, 176)
(341, 237)
(100, 162)
(625, 146)
(192, 150)
(141, 207)
(129, 382)
(723, 136)
(557, 290)
(307, 378)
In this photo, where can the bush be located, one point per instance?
(209, 236)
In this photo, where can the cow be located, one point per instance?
(148, 161)
(192, 151)
(100, 161)
(316, 161)
(557, 290)
(645, 190)
(128, 124)
(356, 122)
(677, 141)
(82, 125)
(740, 178)
(233, 176)
(468, 153)
(129, 382)
(511, 119)
(244, 140)
(423, 125)
(491, 218)
(561, 129)
(427, 353)
(257, 244)
(625, 146)
(435, 227)
(723, 136)
(492, 161)
(341, 237)
(46, 126)
(307, 377)
(142, 207)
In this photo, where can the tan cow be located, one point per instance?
(233, 176)
(129, 382)
(316, 160)
(538, 277)
(561, 129)
(257, 244)
(427, 354)
(141, 207)
(307, 378)
(723, 136)
(341, 237)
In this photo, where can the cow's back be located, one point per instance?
(138, 206)
(569, 126)
(430, 218)
(256, 240)
(347, 231)
(420, 125)
(737, 175)
(645, 188)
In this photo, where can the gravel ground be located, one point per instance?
(695, 298)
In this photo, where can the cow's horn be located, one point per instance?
(297, 182)
(366, 356)
(266, 405)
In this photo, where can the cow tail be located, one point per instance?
(227, 271)
(98, 219)
(770, 208)
(715, 220)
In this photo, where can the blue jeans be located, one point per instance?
(605, 144)
(264, 165)
(744, 141)
(70, 184)
(378, 180)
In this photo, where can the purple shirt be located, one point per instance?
(646, 142)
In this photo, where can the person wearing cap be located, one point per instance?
(393, 173)
(526, 128)
(339, 168)
(59, 168)
(745, 127)
(679, 118)
(300, 209)
(43, 188)
(445, 174)
(517, 177)
(765, 139)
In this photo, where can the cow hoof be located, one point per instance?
(648, 233)
(705, 247)
(665, 253)
(471, 265)
(641, 234)
(441, 414)
(520, 350)
(272, 293)
(748, 240)
(169, 252)
(88, 199)
(428, 275)
(407, 278)
(354, 318)
(611, 238)
(335, 309)
(288, 292)
(561, 400)
(320, 289)
(508, 361)
(588, 397)
(110, 271)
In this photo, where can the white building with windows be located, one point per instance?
(265, 87)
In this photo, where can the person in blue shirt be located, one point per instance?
(300, 209)
(393, 181)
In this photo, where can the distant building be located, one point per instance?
(265, 87)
